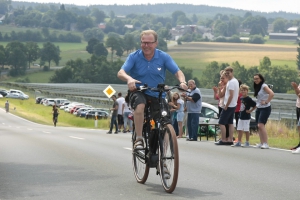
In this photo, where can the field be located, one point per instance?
(198, 55)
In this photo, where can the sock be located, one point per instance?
(139, 138)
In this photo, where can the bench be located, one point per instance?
(206, 130)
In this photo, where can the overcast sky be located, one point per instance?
(255, 5)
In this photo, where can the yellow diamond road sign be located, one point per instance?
(109, 91)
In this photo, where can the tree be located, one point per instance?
(2, 56)
(49, 53)
(176, 15)
(32, 52)
(100, 50)
(16, 58)
(257, 30)
(265, 64)
(128, 42)
(91, 43)
(113, 42)
(298, 56)
(99, 15)
(84, 22)
(279, 26)
(93, 33)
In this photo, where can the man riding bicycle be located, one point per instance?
(147, 65)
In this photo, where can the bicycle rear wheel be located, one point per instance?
(168, 158)
(140, 168)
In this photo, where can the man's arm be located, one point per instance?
(231, 93)
(130, 81)
(295, 87)
(181, 78)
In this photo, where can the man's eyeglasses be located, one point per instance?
(147, 43)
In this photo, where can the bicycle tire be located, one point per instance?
(140, 167)
(168, 157)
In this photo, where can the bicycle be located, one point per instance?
(160, 145)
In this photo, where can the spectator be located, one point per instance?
(126, 111)
(194, 104)
(244, 116)
(177, 105)
(219, 95)
(263, 95)
(120, 101)
(238, 106)
(296, 87)
(229, 104)
(7, 106)
(113, 120)
(184, 122)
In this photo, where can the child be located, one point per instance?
(245, 116)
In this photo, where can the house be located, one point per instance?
(128, 26)
(293, 29)
(102, 26)
(180, 30)
(283, 36)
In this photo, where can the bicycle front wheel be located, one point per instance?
(168, 158)
(140, 168)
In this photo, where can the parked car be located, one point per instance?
(81, 110)
(210, 115)
(59, 101)
(91, 114)
(48, 102)
(17, 94)
(75, 108)
(3, 92)
(63, 105)
(38, 100)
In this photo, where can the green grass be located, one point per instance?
(38, 113)
(36, 77)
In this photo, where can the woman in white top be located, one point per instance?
(264, 95)
(177, 105)
(126, 111)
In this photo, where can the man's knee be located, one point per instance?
(139, 109)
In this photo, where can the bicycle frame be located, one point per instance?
(153, 135)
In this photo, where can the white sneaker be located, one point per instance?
(258, 145)
(297, 150)
(264, 146)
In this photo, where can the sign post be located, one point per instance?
(109, 91)
(96, 119)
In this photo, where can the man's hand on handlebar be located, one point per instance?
(183, 86)
(131, 84)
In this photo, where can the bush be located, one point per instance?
(46, 68)
(256, 39)
(220, 39)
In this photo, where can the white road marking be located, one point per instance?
(46, 132)
(127, 148)
(29, 129)
(76, 138)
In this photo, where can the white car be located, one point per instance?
(16, 94)
(48, 102)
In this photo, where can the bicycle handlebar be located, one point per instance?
(160, 88)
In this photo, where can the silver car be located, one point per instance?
(17, 94)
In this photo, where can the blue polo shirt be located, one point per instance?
(151, 72)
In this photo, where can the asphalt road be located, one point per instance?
(45, 162)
